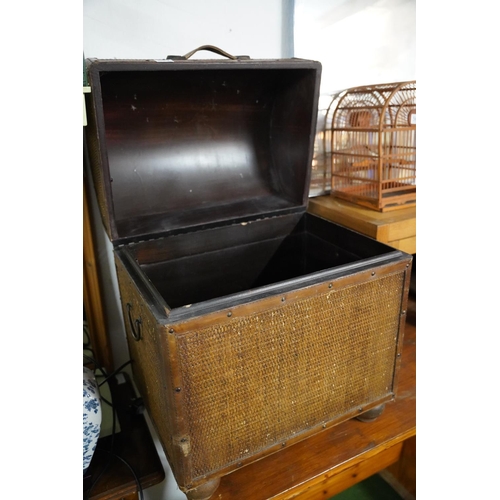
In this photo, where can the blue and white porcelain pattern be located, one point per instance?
(92, 416)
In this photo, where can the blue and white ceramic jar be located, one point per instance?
(92, 416)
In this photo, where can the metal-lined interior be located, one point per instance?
(231, 269)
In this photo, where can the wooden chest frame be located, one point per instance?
(251, 324)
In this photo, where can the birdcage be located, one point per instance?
(369, 142)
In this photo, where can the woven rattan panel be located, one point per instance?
(256, 381)
(148, 357)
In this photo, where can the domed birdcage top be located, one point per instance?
(387, 105)
(369, 145)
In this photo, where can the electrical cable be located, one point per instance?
(113, 431)
(118, 370)
(110, 452)
(108, 462)
(104, 374)
(97, 364)
(136, 477)
(86, 333)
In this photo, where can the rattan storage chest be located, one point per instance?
(251, 323)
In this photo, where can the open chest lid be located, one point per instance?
(178, 145)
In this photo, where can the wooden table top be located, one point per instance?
(397, 228)
(331, 461)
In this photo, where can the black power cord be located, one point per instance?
(116, 372)
(136, 477)
(110, 452)
(113, 431)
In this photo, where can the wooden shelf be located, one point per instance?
(397, 228)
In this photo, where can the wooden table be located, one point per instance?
(397, 228)
(337, 458)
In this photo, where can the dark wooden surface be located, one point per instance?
(133, 444)
(329, 462)
(194, 143)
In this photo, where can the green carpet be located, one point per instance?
(372, 488)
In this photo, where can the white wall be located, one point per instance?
(359, 42)
(157, 28)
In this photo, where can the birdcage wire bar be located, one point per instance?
(369, 145)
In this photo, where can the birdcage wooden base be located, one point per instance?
(389, 202)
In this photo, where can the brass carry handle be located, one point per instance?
(211, 48)
(138, 323)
